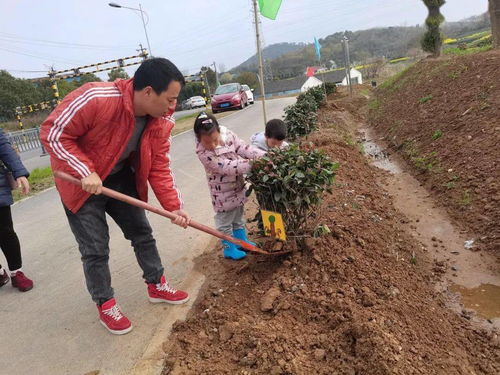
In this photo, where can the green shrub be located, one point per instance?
(301, 118)
(330, 88)
(292, 182)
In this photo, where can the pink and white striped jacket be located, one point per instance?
(225, 167)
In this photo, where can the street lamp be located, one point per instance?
(115, 5)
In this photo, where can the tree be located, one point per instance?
(211, 78)
(494, 10)
(248, 78)
(432, 39)
(16, 92)
(116, 73)
(86, 78)
(226, 78)
(190, 89)
(373, 68)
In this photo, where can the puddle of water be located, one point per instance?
(379, 157)
(484, 299)
(472, 278)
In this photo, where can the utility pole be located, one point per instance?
(217, 83)
(145, 31)
(259, 54)
(142, 51)
(205, 82)
(345, 44)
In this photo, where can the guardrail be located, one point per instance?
(26, 140)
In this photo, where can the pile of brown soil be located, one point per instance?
(358, 301)
(443, 117)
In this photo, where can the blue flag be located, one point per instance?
(317, 46)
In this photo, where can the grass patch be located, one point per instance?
(437, 134)
(40, 179)
(396, 81)
(466, 198)
(361, 148)
(425, 162)
(349, 140)
(450, 185)
(467, 51)
(365, 92)
(374, 104)
(425, 99)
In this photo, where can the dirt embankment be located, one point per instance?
(443, 116)
(352, 302)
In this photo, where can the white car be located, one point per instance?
(249, 93)
(196, 102)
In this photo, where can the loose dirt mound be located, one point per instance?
(443, 116)
(353, 302)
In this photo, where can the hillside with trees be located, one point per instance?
(365, 45)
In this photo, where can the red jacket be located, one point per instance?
(89, 131)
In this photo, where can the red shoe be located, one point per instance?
(112, 318)
(4, 279)
(21, 282)
(162, 292)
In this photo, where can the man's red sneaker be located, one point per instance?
(112, 318)
(163, 292)
(21, 282)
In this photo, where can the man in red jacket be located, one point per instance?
(118, 135)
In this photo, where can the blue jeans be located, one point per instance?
(91, 231)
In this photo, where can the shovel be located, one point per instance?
(160, 211)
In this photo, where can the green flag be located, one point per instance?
(269, 8)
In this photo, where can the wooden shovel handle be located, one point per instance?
(160, 211)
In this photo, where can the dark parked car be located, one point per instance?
(229, 96)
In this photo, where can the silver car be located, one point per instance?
(196, 102)
(249, 93)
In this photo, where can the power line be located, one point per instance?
(23, 71)
(14, 36)
(67, 62)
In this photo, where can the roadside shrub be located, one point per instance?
(301, 118)
(292, 182)
(330, 88)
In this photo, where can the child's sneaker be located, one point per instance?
(4, 279)
(163, 292)
(113, 319)
(231, 251)
(21, 282)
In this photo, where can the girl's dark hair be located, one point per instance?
(205, 124)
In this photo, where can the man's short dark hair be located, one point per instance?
(157, 72)
(276, 129)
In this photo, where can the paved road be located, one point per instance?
(54, 329)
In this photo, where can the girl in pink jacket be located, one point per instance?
(226, 159)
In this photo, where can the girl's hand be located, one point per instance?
(23, 185)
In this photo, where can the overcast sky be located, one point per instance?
(189, 32)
